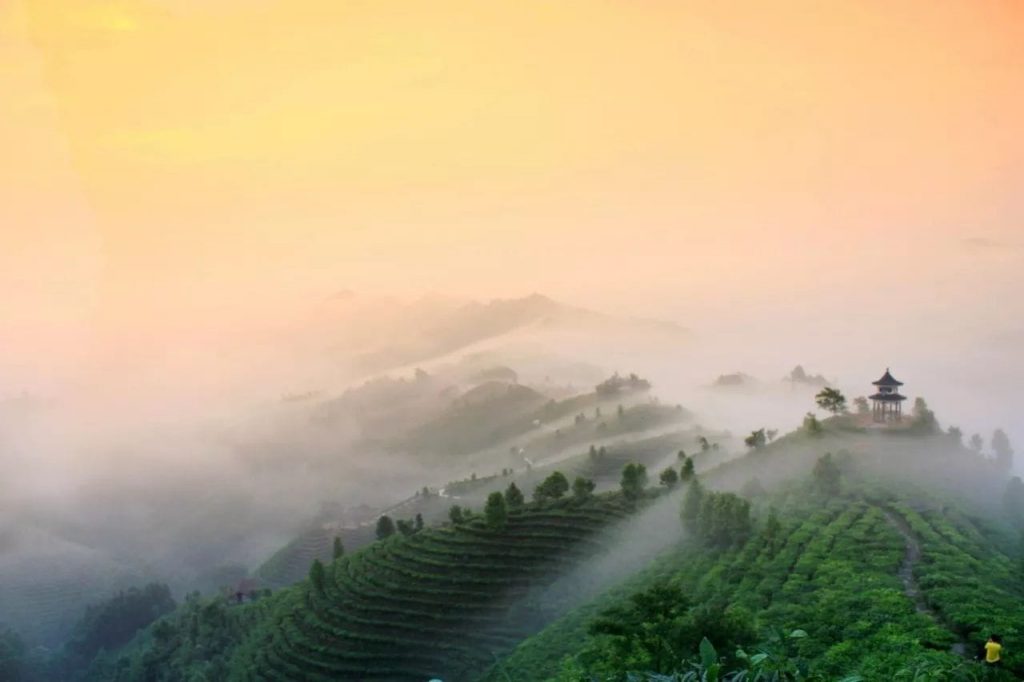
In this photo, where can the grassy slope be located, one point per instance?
(290, 563)
(441, 603)
(834, 569)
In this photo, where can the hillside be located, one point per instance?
(892, 575)
(442, 602)
(491, 411)
(854, 553)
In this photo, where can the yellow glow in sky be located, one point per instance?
(172, 161)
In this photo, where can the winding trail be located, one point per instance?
(906, 573)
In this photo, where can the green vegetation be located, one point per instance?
(757, 439)
(893, 558)
(289, 564)
(16, 664)
(514, 497)
(634, 480)
(338, 549)
(1002, 450)
(668, 478)
(495, 513)
(831, 400)
(440, 602)
(552, 488)
(385, 527)
(860, 569)
(582, 487)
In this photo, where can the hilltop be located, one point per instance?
(897, 558)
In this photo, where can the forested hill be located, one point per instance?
(835, 552)
(442, 602)
(893, 560)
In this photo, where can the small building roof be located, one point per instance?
(889, 397)
(887, 380)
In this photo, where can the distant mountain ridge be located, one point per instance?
(379, 333)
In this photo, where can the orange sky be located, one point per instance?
(170, 162)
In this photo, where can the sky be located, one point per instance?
(172, 168)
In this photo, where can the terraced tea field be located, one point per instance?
(834, 571)
(440, 603)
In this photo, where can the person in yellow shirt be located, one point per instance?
(993, 648)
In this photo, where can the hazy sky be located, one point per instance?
(170, 163)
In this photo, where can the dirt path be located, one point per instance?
(906, 573)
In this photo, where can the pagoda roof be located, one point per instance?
(889, 397)
(887, 380)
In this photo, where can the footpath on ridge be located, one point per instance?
(906, 573)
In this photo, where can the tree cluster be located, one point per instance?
(756, 440)
(826, 475)
(496, 511)
(551, 488)
(723, 519)
(634, 480)
(659, 627)
(616, 384)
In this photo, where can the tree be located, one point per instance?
(405, 527)
(826, 475)
(669, 478)
(861, 403)
(756, 440)
(704, 444)
(955, 434)
(772, 531)
(686, 473)
(552, 488)
(593, 452)
(657, 629)
(582, 488)
(495, 512)
(681, 455)
(514, 497)
(1003, 451)
(419, 522)
(691, 504)
(925, 417)
(831, 400)
(723, 519)
(316, 575)
(634, 480)
(112, 622)
(652, 629)
(338, 550)
(977, 443)
(1013, 500)
(811, 425)
(385, 527)
(455, 514)
(771, 433)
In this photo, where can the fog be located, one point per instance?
(217, 454)
(262, 283)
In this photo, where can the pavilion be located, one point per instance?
(887, 403)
